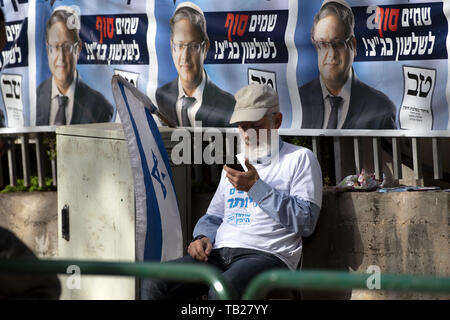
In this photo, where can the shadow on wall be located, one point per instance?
(335, 245)
(24, 286)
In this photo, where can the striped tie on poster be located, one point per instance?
(158, 225)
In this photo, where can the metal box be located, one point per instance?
(96, 209)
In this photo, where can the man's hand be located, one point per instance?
(200, 249)
(243, 181)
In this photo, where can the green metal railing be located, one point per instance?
(258, 288)
(325, 280)
(168, 271)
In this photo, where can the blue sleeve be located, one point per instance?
(295, 214)
(207, 226)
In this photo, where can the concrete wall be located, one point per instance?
(32, 216)
(405, 232)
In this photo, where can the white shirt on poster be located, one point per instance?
(345, 94)
(70, 94)
(198, 95)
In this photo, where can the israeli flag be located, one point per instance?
(158, 225)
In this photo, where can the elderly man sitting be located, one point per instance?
(280, 195)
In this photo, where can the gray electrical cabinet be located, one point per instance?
(96, 209)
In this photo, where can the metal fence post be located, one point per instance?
(377, 161)
(358, 153)
(12, 163)
(437, 161)
(24, 145)
(316, 148)
(39, 161)
(337, 159)
(416, 159)
(396, 159)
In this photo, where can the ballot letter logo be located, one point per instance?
(374, 281)
(73, 281)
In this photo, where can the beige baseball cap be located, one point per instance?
(252, 102)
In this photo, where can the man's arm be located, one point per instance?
(294, 214)
(207, 226)
(204, 235)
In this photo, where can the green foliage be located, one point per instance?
(299, 141)
(50, 142)
(327, 181)
(34, 186)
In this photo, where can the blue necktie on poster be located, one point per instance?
(158, 225)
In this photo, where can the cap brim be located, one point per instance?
(248, 115)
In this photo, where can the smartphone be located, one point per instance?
(235, 166)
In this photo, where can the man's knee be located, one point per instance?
(154, 289)
(157, 289)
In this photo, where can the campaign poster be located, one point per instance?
(249, 42)
(14, 64)
(396, 66)
(401, 60)
(103, 38)
(385, 67)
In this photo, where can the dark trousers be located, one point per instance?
(237, 265)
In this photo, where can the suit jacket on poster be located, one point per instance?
(89, 105)
(215, 111)
(368, 108)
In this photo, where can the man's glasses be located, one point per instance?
(67, 48)
(193, 47)
(335, 44)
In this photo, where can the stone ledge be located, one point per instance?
(401, 232)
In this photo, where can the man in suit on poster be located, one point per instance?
(65, 98)
(337, 99)
(192, 96)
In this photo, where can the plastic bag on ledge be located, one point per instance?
(362, 182)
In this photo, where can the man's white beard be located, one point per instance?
(264, 147)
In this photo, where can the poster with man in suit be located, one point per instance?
(382, 54)
(65, 98)
(337, 98)
(192, 96)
